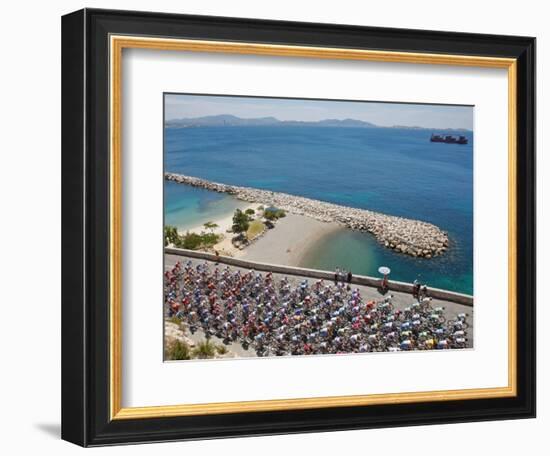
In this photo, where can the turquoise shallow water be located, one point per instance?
(188, 207)
(396, 171)
(361, 253)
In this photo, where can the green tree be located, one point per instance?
(240, 222)
(171, 235)
(272, 213)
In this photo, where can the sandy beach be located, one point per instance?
(286, 243)
(224, 247)
(224, 223)
(289, 241)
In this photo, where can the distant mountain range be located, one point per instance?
(227, 120)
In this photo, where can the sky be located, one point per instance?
(179, 106)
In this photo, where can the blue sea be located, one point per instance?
(395, 171)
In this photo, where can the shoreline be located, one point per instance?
(225, 223)
(287, 243)
(290, 240)
(411, 237)
(299, 241)
(225, 246)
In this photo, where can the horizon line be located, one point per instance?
(315, 121)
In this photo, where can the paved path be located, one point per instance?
(400, 300)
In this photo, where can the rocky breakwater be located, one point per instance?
(411, 237)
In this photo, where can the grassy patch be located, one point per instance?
(256, 227)
(221, 349)
(174, 319)
(191, 241)
(205, 350)
(177, 350)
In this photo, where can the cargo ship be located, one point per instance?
(449, 139)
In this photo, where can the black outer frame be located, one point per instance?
(85, 227)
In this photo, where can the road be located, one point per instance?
(399, 300)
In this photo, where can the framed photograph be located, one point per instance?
(278, 227)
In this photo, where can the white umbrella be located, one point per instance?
(384, 270)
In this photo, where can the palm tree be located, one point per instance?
(211, 226)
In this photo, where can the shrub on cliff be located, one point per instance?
(222, 349)
(205, 350)
(177, 350)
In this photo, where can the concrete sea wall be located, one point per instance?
(408, 236)
(393, 285)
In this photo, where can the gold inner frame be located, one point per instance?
(117, 44)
